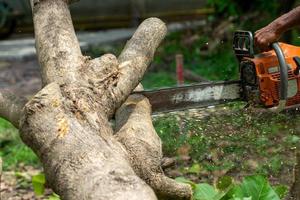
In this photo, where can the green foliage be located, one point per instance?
(224, 183)
(12, 149)
(254, 187)
(158, 80)
(228, 7)
(194, 169)
(204, 191)
(220, 64)
(53, 196)
(240, 7)
(168, 131)
(38, 184)
(184, 180)
(23, 180)
(281, 191)
(239, 141)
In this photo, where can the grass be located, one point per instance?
(157, 80)
(219, 64)
(236, 141)
(12, 150)
(230, 141)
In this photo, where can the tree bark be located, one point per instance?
(11, 107)
(134, 129)
(67, 122)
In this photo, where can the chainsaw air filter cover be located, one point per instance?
(262, 72)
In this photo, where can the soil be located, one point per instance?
(23, 78)
(16, 185)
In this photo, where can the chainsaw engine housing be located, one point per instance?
(260, 77)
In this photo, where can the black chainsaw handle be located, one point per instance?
(283, 71)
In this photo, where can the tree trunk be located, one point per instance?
(67, 122)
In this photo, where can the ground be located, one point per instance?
(205, 144)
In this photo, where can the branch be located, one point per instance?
(57, 46)
(136, 132)
(11, 107)
(81, 159)
(137, 55)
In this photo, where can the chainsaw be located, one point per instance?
(270, 80)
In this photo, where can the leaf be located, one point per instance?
(236, 193)
(195, 169)
(224, 194)
(224, 182)
(24, 176)
(256, 187)
(204, 191)
(186, 181)
(228, 189)
(243, 198)
(281, 191)
(54, 197)
(38, 183)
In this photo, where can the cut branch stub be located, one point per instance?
(136, 132)
(136, 56)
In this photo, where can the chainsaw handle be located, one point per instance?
(283, 71)
(283, 85)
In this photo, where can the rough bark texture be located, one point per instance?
(57, 47)
(11, 107)
(80, 156)
(67, 122)
(136, 132)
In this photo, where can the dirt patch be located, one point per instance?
(16, 185)
(23, 78)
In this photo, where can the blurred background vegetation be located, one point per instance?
(207, 49)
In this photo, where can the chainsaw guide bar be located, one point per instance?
(270, 80)
(193, 96)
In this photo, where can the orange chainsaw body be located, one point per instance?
(266, 68)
